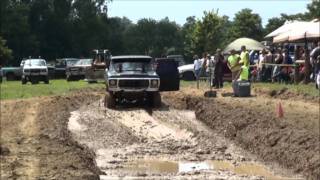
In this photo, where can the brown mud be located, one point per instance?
(293, 143)
(35, 141)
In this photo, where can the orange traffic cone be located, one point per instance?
(279, 110)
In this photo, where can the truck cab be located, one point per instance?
(138, 78)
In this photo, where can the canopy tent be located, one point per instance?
(287, 26)
(310, 30)
(250, 44)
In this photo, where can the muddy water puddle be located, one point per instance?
(176, 167)
(167, 144)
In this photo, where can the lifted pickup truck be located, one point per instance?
(134, 78)
(35, 70)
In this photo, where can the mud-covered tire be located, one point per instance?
(109, 101)
(156, 99)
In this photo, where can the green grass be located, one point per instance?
(15, 90)
(308, 89)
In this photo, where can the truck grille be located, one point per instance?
(35, 70)
(133, 84)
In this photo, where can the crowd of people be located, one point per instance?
(268, 65)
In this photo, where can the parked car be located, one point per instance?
(178, 58)
(11, 73)
(61, 65)
(133, 78)
(35, 70)
(78, 70)
(187, 73)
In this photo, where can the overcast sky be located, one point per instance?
(179, 10)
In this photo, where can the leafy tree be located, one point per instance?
(208, 34)
(16, 29)
(246, 24)
(5, 52)
(186, 33)
(273, 24)
(314, 9)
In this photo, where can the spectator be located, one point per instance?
(315, 53)
(244, 56)
(218, 70)
(197, 66)
(260, 65)
(277, 69)
(233, 63)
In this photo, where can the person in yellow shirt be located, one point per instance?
(233, 63)
(244, 56)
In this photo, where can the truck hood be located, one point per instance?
(133, 73)
(35, 67)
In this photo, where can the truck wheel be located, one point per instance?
(188, 76)
(23, 81)
(46, 81)
(109, 101)
(69, 78)
(156, 99)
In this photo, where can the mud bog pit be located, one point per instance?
(135, 143)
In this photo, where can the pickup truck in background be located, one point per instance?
(61, 66)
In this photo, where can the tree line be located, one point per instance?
(73, 28)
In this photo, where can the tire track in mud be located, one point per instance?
(30, 129)
(258, 131)
(162, 143)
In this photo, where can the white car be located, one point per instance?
(187, 72)
(34, 70)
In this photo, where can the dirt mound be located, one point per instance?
(285, 94)
(260, 132)
(41, 147)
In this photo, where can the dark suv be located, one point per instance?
(61, 66)
(139, 78)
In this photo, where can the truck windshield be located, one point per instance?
(35, 63)
(71, 62)
(132, 66)
(84, 62)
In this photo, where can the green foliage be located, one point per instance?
(273, 24)
(246, 24)
(313, 9)
(5, 52)
(73, 28)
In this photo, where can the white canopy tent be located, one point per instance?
(309, 30)
(287, 26)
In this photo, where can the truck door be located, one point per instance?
(167, 70)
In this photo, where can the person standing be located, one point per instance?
(218, 70)
(244, 56)
(197, 66)
(314, 55)
(233, 63)
(260, 65)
